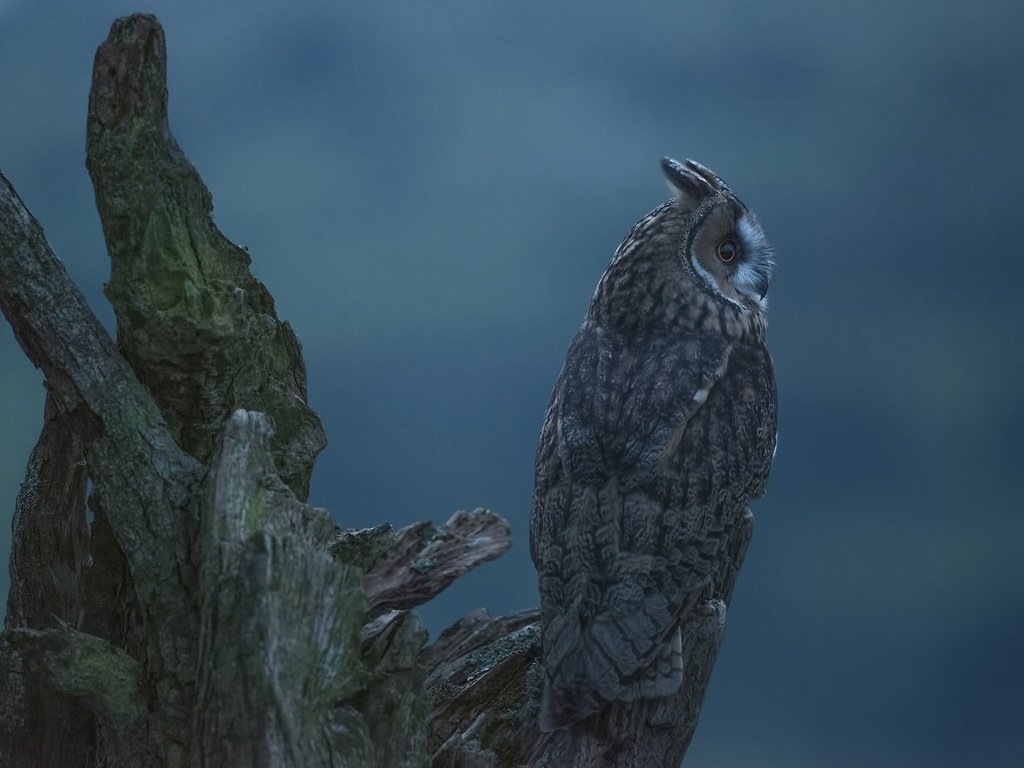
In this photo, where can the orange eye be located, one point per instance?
(727, 251)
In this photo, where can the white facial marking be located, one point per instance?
(711, 281)
(750, 231)
(754, 271)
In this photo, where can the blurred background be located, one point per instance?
(431, 192)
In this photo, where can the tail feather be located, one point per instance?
(585, 669)
(664, 676)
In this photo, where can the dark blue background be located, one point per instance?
(431, 191)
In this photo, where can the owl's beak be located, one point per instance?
(761, 285)
(753, 277)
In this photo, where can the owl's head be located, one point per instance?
(721, 241)
(699, 261)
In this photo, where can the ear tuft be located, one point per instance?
(688, 187)
(708, 175)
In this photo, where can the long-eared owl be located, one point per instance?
(660, 429)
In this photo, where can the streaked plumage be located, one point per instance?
(660, 429)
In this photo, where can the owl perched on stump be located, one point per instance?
(660, 429)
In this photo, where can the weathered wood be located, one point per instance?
(423, 559)
(38, 724)
(142, 474)
(79, 664)
(198, 329)
(485, 687)
(211, 586)
(393, 701)
(279, 641)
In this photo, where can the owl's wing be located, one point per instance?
(617, 533)
(619, 411)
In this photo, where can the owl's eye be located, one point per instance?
(727, 251)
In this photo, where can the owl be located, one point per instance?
(660, 429)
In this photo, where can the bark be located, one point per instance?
(48, 551)
(185, 300)
(279, 618)
(208, 616)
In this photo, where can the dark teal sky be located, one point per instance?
(431, 192)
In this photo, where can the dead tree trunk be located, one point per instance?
(208, 616)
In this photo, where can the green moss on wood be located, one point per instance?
(84, 666)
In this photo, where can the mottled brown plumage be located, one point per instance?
(661, 428)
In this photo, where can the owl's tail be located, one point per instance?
(601, 664)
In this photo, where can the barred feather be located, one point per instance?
(661, 427)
